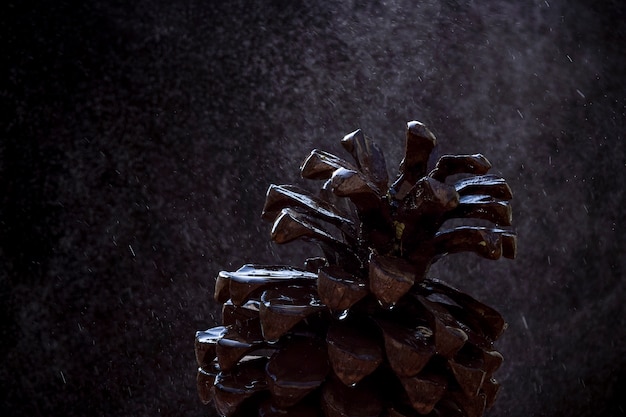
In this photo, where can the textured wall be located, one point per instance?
(138, 141)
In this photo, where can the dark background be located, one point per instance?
(138, 139)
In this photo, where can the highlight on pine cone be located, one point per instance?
(361, 330)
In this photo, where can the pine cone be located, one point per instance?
(362, 331)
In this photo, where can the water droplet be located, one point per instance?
(342, 315)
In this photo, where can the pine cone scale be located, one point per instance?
(354, 352)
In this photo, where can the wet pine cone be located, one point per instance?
(362, 331)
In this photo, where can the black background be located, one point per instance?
(138, 139)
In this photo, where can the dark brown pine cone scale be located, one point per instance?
(362, 331)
